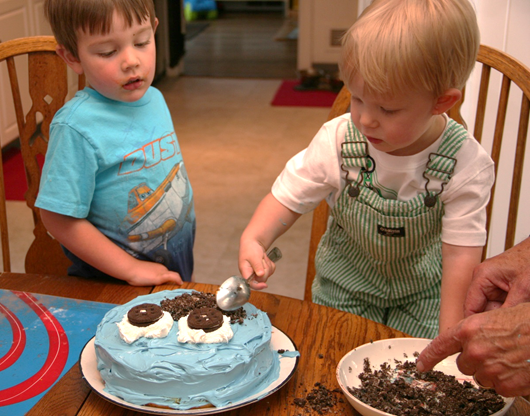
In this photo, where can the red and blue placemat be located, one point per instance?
(41, 338)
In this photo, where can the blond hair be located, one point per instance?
(423, 45)
(67, 17)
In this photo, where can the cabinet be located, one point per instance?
(321, 24)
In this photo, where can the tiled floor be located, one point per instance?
(234, 145)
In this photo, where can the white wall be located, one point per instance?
(316, 20)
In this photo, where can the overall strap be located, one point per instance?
(354, 153)
(354, 148)
(441, 164)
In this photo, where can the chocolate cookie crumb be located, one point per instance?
(319, 399)
(405, 391)
(182, 305)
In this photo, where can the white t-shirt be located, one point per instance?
(315, 174)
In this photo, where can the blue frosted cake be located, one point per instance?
(149, 366)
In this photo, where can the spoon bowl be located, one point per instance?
(235, 291)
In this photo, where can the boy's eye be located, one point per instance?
(105, 54)
(143, 44)
(387, 111)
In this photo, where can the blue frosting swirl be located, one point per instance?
(165, 372)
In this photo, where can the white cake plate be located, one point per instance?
(279, 341)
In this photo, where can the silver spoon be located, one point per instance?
(235, 291)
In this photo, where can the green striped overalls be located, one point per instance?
(382, 258)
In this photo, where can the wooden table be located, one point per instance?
(323, 336)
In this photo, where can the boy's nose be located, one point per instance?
(130, 60)
(367, 119)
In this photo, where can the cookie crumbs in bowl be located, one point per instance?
(405, 391)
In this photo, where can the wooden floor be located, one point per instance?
(242, 45)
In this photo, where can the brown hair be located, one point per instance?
(400, 45)
(66, 17)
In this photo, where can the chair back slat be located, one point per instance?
(513, 208)
(4, 236)
(321, 212)
(481, 103)
(48, 90)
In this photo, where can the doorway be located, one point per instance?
(242, 43)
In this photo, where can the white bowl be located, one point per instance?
(388, 350)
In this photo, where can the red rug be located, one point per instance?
(288, 96)
(14, 176)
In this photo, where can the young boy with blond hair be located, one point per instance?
(407, 186)
(114, 190)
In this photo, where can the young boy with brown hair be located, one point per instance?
(114, 190)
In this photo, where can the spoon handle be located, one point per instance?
(275, 254)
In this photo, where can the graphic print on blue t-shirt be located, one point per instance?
(155, 216)
(118, 173)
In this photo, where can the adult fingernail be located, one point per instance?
(420, 366)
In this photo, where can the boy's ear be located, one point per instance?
(70, 59)
(448, 99)
(156, 24)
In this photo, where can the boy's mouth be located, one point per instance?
(373, 140)
(133, 83)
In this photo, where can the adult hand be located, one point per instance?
(503, 280)
(494, 346)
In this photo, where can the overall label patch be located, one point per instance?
(391, 232)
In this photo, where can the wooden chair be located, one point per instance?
(48, 89)
(512, 72)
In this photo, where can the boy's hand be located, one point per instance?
(146, 273)
(270, 221)
(89, 244)
(253, 259)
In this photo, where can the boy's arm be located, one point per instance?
(89, 244)
(270, 220)
(458, 263)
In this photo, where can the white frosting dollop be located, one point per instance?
(198, 336)
(130, 333)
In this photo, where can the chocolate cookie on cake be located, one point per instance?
(209, 360)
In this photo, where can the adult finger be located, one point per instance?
(441, 347)
(518, 293)
(483, 299)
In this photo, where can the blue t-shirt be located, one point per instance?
(119, 165)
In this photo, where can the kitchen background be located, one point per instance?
(253, 157)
